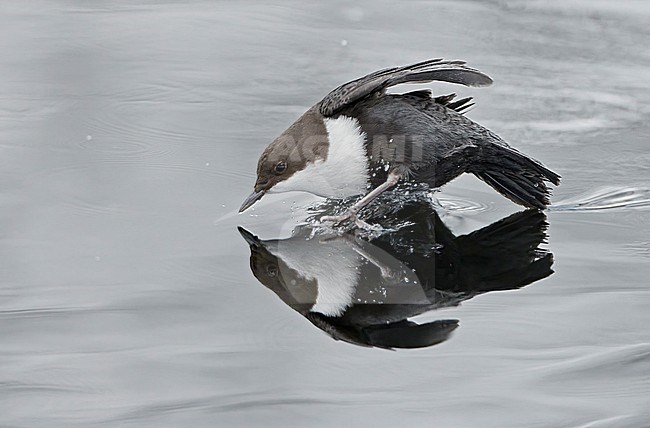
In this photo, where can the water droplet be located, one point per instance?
(344, 42)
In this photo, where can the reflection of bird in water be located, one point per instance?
(363, 292)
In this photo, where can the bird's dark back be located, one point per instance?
(413, 133)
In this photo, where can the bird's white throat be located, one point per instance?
(345, 170)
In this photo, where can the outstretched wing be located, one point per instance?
(421, 99)
(422, 72)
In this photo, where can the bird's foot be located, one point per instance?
(336, 220)
(351, 216)
(366, 226)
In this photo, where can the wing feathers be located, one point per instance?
(422, 72)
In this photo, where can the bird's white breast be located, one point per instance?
(332, 263)
(344, 172)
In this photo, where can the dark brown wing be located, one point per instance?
(422, 72)
(417, 98)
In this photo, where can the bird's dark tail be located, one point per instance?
(516, 176)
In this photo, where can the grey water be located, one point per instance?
(129, 135)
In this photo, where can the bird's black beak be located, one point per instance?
(252, 198)
(249, 237)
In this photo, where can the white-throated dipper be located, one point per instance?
(360, 140)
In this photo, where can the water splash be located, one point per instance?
(605, 199)
(380, 213)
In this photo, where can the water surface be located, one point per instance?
(129, 138)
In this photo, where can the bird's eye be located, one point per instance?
(280, 167)
(272, 271)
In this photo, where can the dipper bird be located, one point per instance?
(361, 140)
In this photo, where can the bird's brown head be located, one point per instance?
(302, 143)
(289, 285)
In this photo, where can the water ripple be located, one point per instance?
(629, 362)
(218, 404)
(605, 199)
(16, 387)
(638, 248)
(124, 147)
(465, 206)
(171, 166)
(85, 207)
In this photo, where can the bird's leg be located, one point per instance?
(351, 213)
(386, 272)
